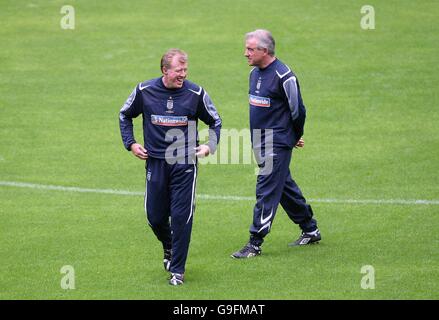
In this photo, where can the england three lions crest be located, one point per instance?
(170, 105)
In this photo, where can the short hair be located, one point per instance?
(265, 40)
(169, 55)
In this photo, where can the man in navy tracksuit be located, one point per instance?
(170, 106)
(277, 117)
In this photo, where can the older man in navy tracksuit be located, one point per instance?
(277, 118)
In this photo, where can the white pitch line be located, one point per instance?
(70, 189)
(226, 198)
(213, 197)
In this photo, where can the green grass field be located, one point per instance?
(371, 134)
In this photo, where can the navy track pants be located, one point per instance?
(170, 206)
(279, 187)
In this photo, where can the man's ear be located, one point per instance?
(164, 71)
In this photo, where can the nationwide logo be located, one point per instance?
(259, 101)
(169, 121)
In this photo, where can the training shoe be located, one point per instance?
(248, 251)
(176, 279)
(307, 238)
(167, 255)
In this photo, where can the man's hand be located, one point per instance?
(300, 143)
(202, 151)
(139, 151)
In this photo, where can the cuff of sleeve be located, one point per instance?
(212, 146)
(128, 147)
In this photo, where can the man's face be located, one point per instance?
(175, 75)
(254, 55)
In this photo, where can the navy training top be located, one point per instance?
(166, 109)
(276, 103)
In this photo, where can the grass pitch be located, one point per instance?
(371, 134)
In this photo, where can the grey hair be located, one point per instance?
(265, 39)
(167, 57)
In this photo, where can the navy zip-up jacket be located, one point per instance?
(165, 109)
(276, 103)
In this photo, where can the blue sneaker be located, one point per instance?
(176, 279)
(307, 238)
(248, 251)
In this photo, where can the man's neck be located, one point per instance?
(165, 83)
(267, 62)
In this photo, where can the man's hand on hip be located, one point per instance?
(202, 151)
(139, 151)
